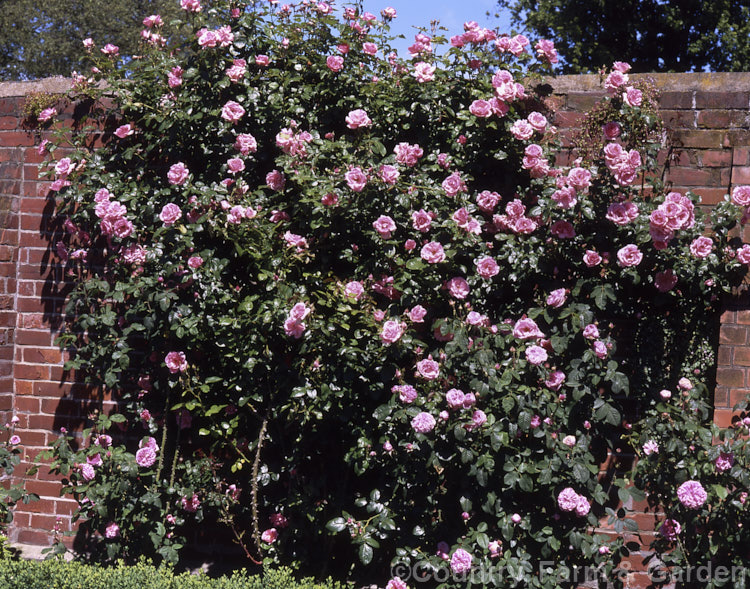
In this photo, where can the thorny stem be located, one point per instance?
(256, 466)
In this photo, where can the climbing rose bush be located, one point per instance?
(355, 309)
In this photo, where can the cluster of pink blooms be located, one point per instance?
(569, 500)
(190, 504)
(176, 362)
(146, 455)
(112, 214)
(623, 164)
(515, 219)
(675, 213)
(294, 324)
(221, 37)
(293, 142)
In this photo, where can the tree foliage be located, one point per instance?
(42, 39)
(681, 36)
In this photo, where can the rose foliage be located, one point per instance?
(354, 310)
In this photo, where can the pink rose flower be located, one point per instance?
(567, 499)
(392, 331)
(262, 60)
(591, 331)
(417, 313)
(358, 118)
(177, 174)
(569, 441)
(423, 423)
(453, 184)
(632, 96)
(406, 393)
(124, 131)
(538, 121)
(629, 256)
(481, 108)
(583, 506)
(701, 247)
(611, 130)
(396, 583)
(407, 154)
(433, 252)
(522, 130)
(110, 49)
(600, 349)
(170, 214)
(389, 174)
(591, 258)
(555, 380)
(455, 398)
(556, 298)
(458, 287)
(145, 457)
(235, 165)
(112, 531)
(232, 111)
(385, 226)
(421, 220)
(176, 362)
(536, 355)
(276, 180)
(335, 63)
(670, 529)
(190, 5)
(370, 48)
(424, 72)
(195, 262)
(461, 561)
(651, 447)
(692, 494)
(428, 368)
(354, 289)
(724, 461)
(486, 267)
(741, 196)
(356, 179)
(269, 536)
(526, 328)
(87, 471)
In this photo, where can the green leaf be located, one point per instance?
(365, 554)
(337, 524)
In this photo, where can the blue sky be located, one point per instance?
(451, 14)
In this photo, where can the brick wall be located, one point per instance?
(708, 117)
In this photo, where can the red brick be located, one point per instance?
(17, 138)
(681, 100)
(9, 123)
(733, 335)
(31, 371)
(715, 158)
(741, 356)
(722, 100)
(721, 397)
(707, 139)
(25, 337)
(692, 177)
(741, 175)
(678, 118)
(730, 377)
(23, 387)
(583, 101)
(742, 156)
(743, 317)
(35, 538)
(27, 404)
(44, 488)
(723, 417)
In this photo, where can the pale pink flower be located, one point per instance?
(335, 63)
(458, 287)
(87, 471)
(591, 258)
(112, 531)
(526, 328)
(237, 70)
(356, 179)
(145, 457)
(354, 289)
(417, 313)
(487, 267)
(408, 154)
(262, 60)
(455, 398)
(421, 220)
(423, 423)
(124, 131)
(269, 536)
(632, 96)
(557, 298)
(741, 196)
(190, 5)
(110, 49)
(195, 262)
(583, 506)
(385, 226)
(178, 174)
(424, 72)
(481, 108)
(453, 184)
(389, 174)
(232, 111)
(174, 77)
(629, 256)
(701, 247)
(651, 447)
(395, 582)
(428, 368)
(170, 214)
(276, 180)
(433, 252)
(692, 494)
(176, 362)
(569, 441)
(461, 561)
(591, 331)
(600, 349)
(536, 355)
(235, 165)
(567, 499)
(538, 121)
(358, 118)
(392, 331)
(406, 393)
(370, 48)
(555, 380)
(579, 178)
(522, 130)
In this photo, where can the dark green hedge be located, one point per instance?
(54, 574)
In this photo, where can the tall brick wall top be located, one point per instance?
(708, 117)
